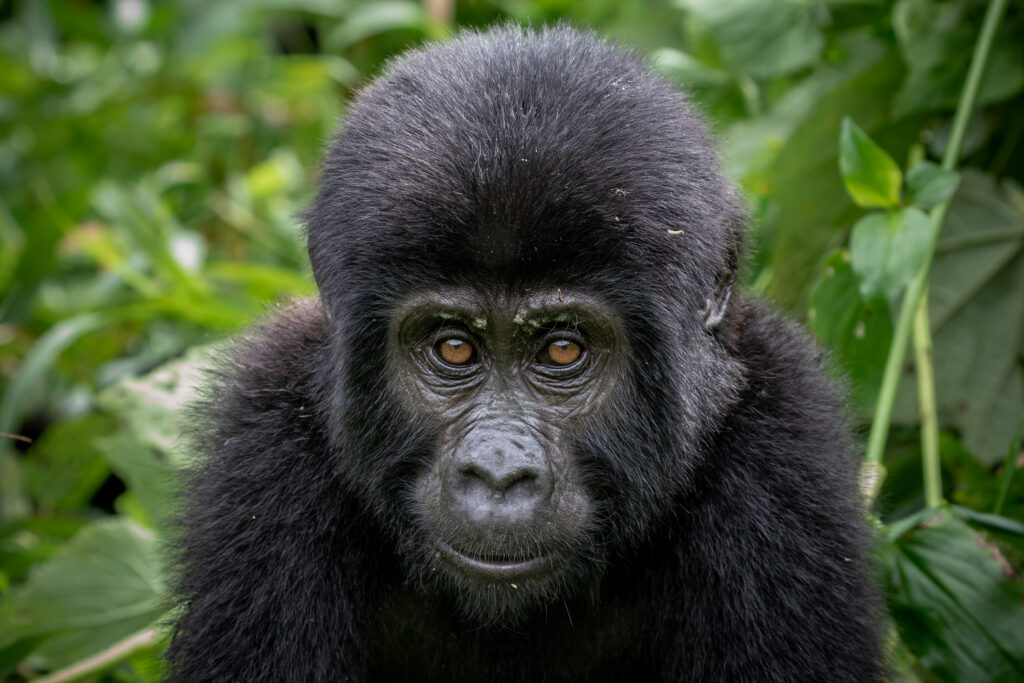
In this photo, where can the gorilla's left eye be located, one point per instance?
(455, 351)
(560, 353)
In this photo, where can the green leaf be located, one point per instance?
(263, 282)
(1009, 530)
(27, 541)
(101, 587)
(857, 330)
(810, 208)
(63, 469)
(975, 294)
(12, 654)
(953, 604)
(688, 70)
(151, 405)
(150, 451)
(279, 174)
(751, 145)
(888, 249)
(33, 369)
(372, 19)
(871, 176)
(149, 477)
(929, 185)
(936, 41)
(762, 39)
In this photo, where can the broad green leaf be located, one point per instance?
(143, 221)
(151, 480)
(871, 176)
(751, 145)
(811, 209)
(371, 19)
(279, 174)
(857, 330)
(151, 406)
(936, 41)
(152, 449)
(888, 249)
(13, 653)
(34, 367)
(929, 185)
(63, 469)
(686, 69)
(1009, 530)
(101, 587)
(976, 290)
(33, 264)
(762, 39)
(954, 606)
(27, 541)
(263, 282)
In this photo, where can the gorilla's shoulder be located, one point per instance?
(282, 347)
(271, 372)
(769, 341)
(789, 391)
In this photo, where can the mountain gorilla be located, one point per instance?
(525, 434)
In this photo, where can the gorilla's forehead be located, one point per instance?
(531, 143)
(547, 157)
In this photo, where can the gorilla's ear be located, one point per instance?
(718, 303)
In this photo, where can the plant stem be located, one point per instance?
(143, 641)
(975, 73)
(918, 285)
(926, 403)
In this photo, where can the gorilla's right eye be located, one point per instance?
(455, 351)
(560, 353)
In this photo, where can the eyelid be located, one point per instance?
(562, 331)
(448, 329)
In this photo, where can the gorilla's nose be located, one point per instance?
(499, 478)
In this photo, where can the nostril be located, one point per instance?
(522, 478)
(523, 482)
(498, 474)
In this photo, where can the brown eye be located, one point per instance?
(455, 351)
(561, 352)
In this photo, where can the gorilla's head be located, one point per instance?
(525, 246)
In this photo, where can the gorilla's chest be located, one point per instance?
(413, 641)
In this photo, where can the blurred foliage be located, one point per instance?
(155, 155)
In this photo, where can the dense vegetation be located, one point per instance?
(154, 157)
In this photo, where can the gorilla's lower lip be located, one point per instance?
(495, 566)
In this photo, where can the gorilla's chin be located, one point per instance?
(504, 592)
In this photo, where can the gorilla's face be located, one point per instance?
(508, 382)
(525, 277)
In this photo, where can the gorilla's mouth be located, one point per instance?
(495, 567)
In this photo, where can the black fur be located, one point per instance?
(728, 542)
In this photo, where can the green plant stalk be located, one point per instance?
(918, 285)
(147, 640)
(926, 403)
